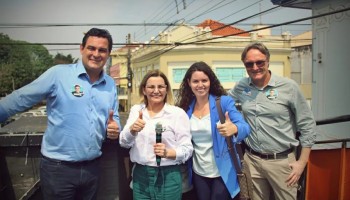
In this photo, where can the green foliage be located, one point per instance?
(20, 63)
(62, 59)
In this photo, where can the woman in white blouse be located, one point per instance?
(156, 173)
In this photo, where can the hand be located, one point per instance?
(297, 170)
(112, 127)
(228, 128)
(160, 150)
(138, 125)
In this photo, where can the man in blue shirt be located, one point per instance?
(78, 122)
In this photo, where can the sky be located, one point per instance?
(122, 17)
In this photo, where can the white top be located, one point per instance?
(203, 158)
(176, 135)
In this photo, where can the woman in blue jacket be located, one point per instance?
(214, 176)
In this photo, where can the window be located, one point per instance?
(230, 74)
(178, 74)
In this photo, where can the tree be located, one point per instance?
(20, 63)
(62, 59)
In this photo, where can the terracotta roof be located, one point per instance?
(228, 30)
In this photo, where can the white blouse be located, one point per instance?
(176, 135)
(203, 158)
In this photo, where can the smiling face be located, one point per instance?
(155, 90)
(94, 55)
(257, 67)
(200, 84)
(77, 89)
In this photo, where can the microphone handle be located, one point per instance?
(158, 140)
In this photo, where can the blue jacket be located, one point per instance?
(222, 156)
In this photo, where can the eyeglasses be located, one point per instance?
(259, 63)
(153, 87)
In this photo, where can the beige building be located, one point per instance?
(175, 50)
(119, 72)
(301, 62)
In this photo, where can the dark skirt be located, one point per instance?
(157, 183)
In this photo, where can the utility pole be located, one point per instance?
(130, 75)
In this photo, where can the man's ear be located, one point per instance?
(81, 48)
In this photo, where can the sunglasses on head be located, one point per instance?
(259, 63)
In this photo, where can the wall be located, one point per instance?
(331, 68)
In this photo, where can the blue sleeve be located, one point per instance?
(3, 114)
(228, 104)
(27, 96)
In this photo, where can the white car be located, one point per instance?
(40, 111)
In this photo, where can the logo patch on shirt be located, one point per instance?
(271, 94)
(77, 91)
(247, 92)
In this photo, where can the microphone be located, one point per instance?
(159, 130)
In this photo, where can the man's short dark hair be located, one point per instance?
(103, 33)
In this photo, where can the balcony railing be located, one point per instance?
(326, 176)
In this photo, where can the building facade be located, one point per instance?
(217, 44)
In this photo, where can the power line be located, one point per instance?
(253, 30)
(145, 24)
(119, 24)
(212, 9)
(276, 25)
(36, 25)
(58, 44)
(171, 18)
(128, 24)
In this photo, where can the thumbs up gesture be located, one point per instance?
(228, 128)
(112, 127)
(138, 125)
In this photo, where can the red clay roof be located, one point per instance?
(228, 30)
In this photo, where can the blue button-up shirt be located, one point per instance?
(77, 120)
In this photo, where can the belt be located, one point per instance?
(281, 155)
(75, 163)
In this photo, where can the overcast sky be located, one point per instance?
(91, 13)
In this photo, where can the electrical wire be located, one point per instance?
(253, 30)
(148, 24)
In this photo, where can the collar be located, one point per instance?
(272, 81)
(212, 104)
(167, 108)
(212, 101)
(81, 71)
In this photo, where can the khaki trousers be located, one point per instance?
(270, 176)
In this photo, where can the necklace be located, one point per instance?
(201, 112)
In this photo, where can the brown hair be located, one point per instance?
(155, 73)
(186, 96)
(258, 46)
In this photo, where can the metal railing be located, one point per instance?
(344, 141)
